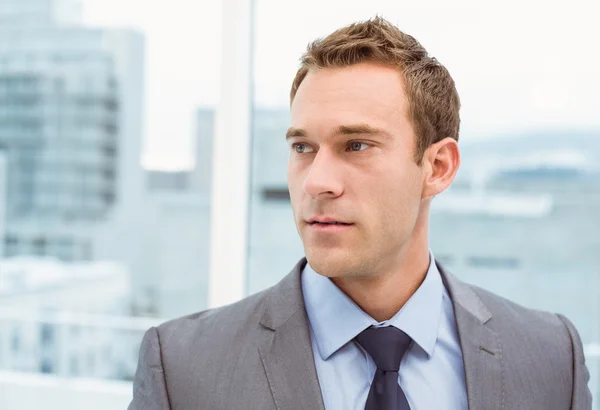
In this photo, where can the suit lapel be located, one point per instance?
(286, 353)
(288, 359)
(481, 349)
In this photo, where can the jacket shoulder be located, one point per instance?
(540, 349)
(217, 320)
(529, 335)
(517, 315)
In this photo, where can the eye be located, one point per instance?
(358, 146)
(300, 148)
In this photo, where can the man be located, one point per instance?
(369, 319)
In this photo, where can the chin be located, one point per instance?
(331, 263)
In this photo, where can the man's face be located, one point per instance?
(352, 161)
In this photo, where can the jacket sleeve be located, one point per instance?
(149, 385)
(582, 397)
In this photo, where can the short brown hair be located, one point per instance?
(433, 102)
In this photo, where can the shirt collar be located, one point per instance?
(336, 319)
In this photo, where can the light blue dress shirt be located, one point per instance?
(431, 373)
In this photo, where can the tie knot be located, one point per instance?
(386, 345)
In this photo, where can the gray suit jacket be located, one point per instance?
(257, 354)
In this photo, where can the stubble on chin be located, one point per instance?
(337, 266)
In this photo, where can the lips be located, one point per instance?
(329, 223)
(329, 227)
(328, 220)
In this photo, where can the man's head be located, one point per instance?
(373, 138)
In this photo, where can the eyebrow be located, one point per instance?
(294, 133)
(353, 129)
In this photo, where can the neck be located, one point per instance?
(384, 293)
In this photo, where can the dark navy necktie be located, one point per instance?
(387, 346)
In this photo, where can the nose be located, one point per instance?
(324, 176)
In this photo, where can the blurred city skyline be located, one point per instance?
(525, 68)
(94, 250)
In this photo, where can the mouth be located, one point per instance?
(328, 223)
(329, 226)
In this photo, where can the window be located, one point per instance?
(11, 240)
(276, 194)
(521, 219)
(39, 246)
(47, 334)
(46, 365)
(15, 342)
(149, 119)
(74, 366)
(492, 262)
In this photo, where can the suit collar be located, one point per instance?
(290, 345)
(284, 299)
(464, 295)
(286, 353)
(480, 345)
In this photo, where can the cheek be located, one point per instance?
(295, 174)
(295, 188)
(292, 179)
(294, 197)
(396, 200)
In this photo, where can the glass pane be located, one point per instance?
(522, 217)
(106, 128)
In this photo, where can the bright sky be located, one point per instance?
(518, 65)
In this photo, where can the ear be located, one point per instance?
(440, 162)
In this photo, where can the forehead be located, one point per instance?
(366, 93)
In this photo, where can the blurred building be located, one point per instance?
(38, 296)
(199, 178)
(34, 391)
(170, 181)
(177, 242)
(71, 108)
(70, 124)
(176, 245)
(2, 201)
(19, 13)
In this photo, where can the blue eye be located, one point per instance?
(299, 147)
(356, 146)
